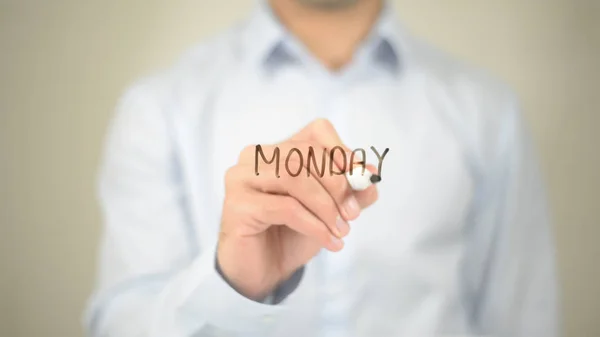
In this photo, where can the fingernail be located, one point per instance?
(342, 226)
(351, 207)
(337, 243)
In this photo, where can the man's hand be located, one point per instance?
(272, 226)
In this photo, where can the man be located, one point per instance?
(454, 241)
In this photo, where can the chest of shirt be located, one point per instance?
(410, 239)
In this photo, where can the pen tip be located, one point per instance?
(375, 178)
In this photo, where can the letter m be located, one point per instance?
(275, 159)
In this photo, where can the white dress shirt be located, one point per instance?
(458, 244)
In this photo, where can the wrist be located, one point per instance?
(250, 281)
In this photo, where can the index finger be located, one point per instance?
(323, 132)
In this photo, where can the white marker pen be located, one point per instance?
(359, 181)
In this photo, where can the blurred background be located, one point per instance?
(64, 63)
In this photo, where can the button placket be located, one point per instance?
(336, 267)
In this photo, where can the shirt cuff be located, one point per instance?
(281, 292)
(223, 307)
(287, 287)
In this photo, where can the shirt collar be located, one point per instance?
(266, 37)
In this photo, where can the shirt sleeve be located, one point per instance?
(511, 271)
(153, 278)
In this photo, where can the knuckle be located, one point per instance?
(289, 210)
(230, 203)
(275, 206)
(271, 208)
(324, 203)
(237, 202)
(325, 207)
(248, 207)
(322, 123)
(330, 215)
(230, 176)
(247, 151)
(291, 206)
(234, 208)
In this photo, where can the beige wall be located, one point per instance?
(63, 63)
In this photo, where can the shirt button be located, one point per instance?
(268, 319)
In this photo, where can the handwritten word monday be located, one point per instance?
(296, 155)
